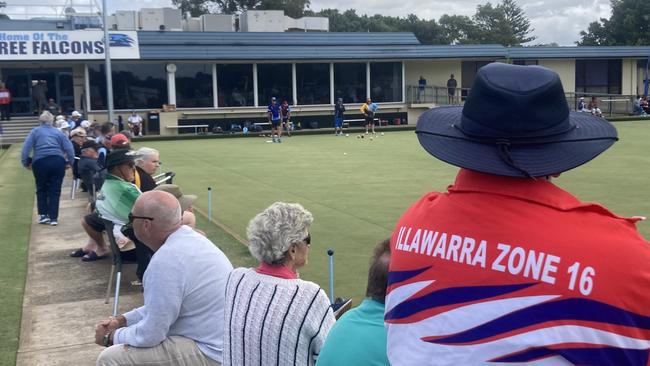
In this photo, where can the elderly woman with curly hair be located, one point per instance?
(272, 316)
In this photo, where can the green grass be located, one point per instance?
(357, 189)
(16, 203)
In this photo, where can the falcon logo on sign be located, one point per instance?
(120, 40)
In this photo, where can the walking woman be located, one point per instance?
(51, 154)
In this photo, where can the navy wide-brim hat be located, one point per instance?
(515, 122)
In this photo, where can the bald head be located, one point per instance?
(162, 206)
(157, 215)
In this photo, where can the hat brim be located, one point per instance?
(127, 158)
(186, 201)
(439, 135)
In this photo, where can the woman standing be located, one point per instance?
(52, 153)
(272, 316)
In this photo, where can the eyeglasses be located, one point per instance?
(133, 217)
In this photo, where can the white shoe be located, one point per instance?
(43, 219)
(53, 223)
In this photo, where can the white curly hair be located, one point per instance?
(272, 232)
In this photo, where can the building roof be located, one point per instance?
(579, 52)
(255, 46)
(299, 46)
(29, 25)
(268, 39)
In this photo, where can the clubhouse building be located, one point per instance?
(219, 78)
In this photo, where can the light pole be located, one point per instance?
(107, 63)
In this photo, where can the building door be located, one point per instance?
(23, 84)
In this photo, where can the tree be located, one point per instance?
(458, 29)
(194, 7)
(629, 25)
(504, 24)
(517, 21)
(292, 8)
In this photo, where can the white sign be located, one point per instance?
(67, 45)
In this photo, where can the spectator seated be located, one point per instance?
(261, 298)
(359, 336)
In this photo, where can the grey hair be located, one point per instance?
(272, 232)
(46, 118)
(145, 154)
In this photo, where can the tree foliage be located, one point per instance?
(628, 25)
(292, 8)
(504, 23)
(194, 7)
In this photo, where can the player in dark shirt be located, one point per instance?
(285, 110)
(339, 110)
(275, 118)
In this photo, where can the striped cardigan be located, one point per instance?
(274, 321)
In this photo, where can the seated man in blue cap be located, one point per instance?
(505, 267)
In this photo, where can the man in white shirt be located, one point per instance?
(182, 320)
(135, 124)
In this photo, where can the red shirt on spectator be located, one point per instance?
(5, 96)
(501, 269)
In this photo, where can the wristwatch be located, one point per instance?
(107, 339)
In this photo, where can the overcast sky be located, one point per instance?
(557, 21)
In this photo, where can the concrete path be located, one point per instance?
(64, 297)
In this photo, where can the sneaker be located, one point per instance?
(43, 219)
(279, 140)
(53, 223)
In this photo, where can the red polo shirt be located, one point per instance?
(5, 96)
(500, 270)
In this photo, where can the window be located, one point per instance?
(97, 83)
(313, 83)
(135, 86)
(524, 62)
(274, 80)
(598, 76)
(350, 82)
(235, 85)
(386, 81)
(194, 85)
(468, 71)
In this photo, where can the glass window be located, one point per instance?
(313, 83)
(350, 82)
(235, 85)
(274, 80)
(194, 85)
(135, 86)
(386, 81)
(524, 62)
(598, 76)
(468, 70)
(97, 83)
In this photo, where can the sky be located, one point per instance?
(558, 21)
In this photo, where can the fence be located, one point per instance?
(609, 104)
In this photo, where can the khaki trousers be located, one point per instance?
(173, 351)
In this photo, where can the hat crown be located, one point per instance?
(172, 189)
(511, 102)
